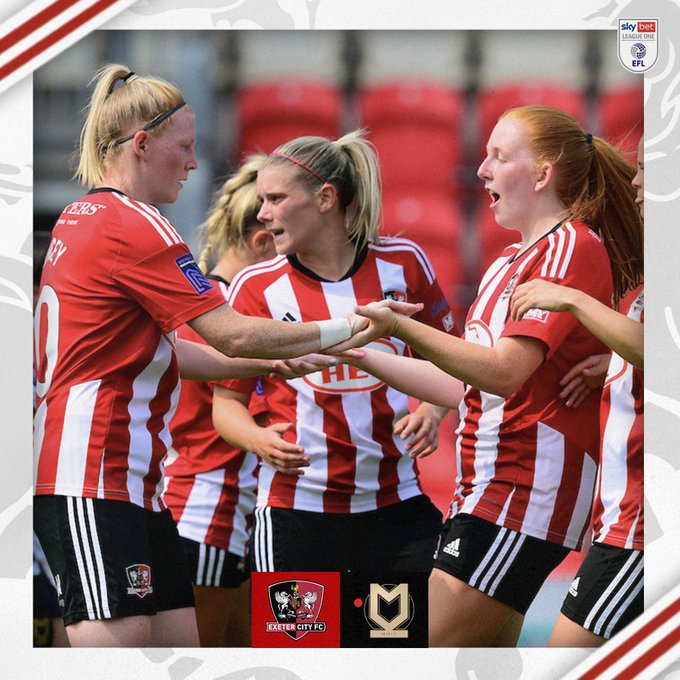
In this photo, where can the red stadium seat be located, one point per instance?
(622, 117)
(435, 223)
(416, 129)
(495, 101)
(270, 114)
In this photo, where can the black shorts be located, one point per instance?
(399, 537)
(214, 567)
(607, 592)
(505, 564)
(111, 558)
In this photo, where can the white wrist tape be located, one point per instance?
(333, 331)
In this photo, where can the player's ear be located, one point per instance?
(260, 241)
(545, 173)
(326, 197)
(139, 142)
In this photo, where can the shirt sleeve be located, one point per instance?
(588, 270)
(169, 285)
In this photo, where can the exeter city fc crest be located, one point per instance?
(296, 606)
(638, 43)
(139, 577)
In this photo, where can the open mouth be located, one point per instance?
(494, 197)
(276, 232)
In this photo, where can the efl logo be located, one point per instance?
(638, 43)
(296, 609)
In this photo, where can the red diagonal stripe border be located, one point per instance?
(34, 23)
(54, 37)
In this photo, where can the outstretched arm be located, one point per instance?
(202, 362)
(623, 335)
(238, 335)
(501, 369)
(417, 377)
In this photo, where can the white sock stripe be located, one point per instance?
(99, 559)
(500, 537)
(264, 553)
(603, 600)
(624, 605)
(257, 530)
(616, 605)
(220, 566)
(270, 540)
(212, 554)
(87, 550)
(201, 564)
(507, 563)
(77, 549)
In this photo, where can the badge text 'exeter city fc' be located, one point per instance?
(296, 606)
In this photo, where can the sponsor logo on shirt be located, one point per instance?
(537, 315)
(344, 378)
(83, 208)
(478, 332)
(187, 265)
(139, 577)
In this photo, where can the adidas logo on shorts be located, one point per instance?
(573, 588)
(453, 548)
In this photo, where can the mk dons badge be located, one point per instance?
(638, 43)
(396, 623)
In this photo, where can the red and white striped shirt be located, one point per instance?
(117, 281)
(210, 487)
(342, 416)
(618, 511)
(528, 462)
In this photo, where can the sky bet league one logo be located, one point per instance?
(638, 43)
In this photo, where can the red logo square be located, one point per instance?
(646, 27)
(295, 609)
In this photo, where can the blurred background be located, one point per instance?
(429, 100)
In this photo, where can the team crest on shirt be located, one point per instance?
(510, 287)
(398, 295)
(343, 378)
(296, 606)
(139, 578)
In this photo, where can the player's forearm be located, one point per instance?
(202, 362)
(500, 370)
(234, 422)
(421, 379)
(623, 335)
(238, 335)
